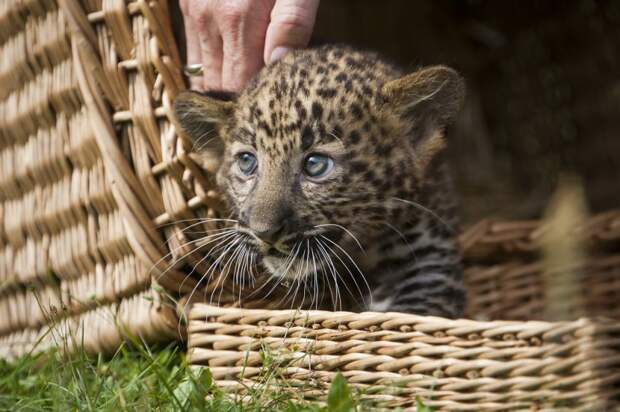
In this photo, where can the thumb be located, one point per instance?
(290, 27)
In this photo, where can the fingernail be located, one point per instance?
(278, 53)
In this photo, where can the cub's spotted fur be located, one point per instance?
(333, 169)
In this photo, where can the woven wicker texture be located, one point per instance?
(88, 169)
(392, 357)
(507, 279)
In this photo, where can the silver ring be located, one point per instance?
(192, 70)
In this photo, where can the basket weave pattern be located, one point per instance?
(90, 167)
(505, 276)
(392, 357)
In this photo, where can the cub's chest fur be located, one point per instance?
(332, 166)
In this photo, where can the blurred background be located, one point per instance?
(543, 90)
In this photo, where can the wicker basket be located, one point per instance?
(508, 277)
(392, 358)
(91, 175)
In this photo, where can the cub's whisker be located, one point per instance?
(220, 238)
(427, 210)
(176, 260)
(353, 277)
(199, 219)
(206, 275)
(226, 269)
(224, 254)
(335, 274)
(347, 231)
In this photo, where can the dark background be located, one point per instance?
(543, 90)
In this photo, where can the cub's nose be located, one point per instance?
(272, 234)
(270, 227)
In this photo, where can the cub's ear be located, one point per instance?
(431, 98)
(200, 116)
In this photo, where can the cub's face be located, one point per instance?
(316, 146)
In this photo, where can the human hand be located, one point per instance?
(233, 39)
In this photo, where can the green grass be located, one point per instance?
(134, 379)
(138, 378)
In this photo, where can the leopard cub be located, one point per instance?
(333, 167)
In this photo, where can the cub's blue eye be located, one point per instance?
(247, 163)
(318, 165)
